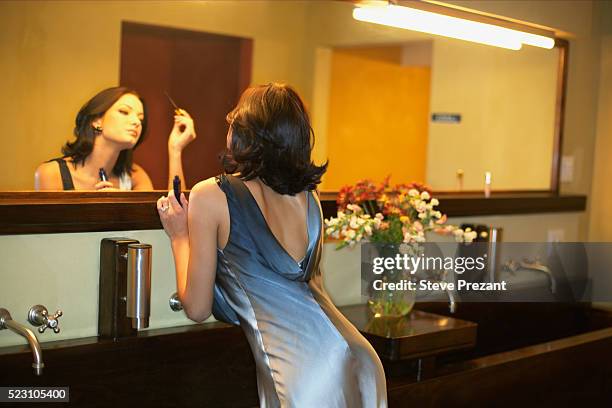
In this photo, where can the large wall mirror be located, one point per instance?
(383, 101)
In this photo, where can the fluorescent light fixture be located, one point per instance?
(447, 26)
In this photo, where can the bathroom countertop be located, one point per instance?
(417, 335)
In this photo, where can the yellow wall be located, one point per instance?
(507, 101)
(601, 199)
(581, 19)
(378, 116)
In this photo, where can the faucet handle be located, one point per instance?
(175, 303)
(39, 316)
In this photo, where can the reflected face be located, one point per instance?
(122, 122)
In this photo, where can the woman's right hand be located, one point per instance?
(183, 132)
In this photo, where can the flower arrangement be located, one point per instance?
(398, 215)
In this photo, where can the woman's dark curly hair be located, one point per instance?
(272, 139)
(85, 133)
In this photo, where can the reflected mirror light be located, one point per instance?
(432, 23)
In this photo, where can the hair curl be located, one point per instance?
(271, 138)
(85, 133)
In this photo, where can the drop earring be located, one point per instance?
(98, 129)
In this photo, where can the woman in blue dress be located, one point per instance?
(247, 247)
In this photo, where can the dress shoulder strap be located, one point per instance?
(67, 183)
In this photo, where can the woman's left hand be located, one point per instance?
(182, 133)
(173, 216)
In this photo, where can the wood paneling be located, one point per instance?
(54, 212)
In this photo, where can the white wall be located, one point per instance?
(62, 271)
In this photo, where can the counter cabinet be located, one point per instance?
(544, 354)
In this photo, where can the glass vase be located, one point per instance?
(387, 303)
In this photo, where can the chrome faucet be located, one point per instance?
(452, 303)
(533, 265)
(7, 322)
(442, 276)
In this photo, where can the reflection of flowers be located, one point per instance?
(378, 214)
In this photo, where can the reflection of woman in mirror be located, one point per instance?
(247, 247)
(108, 128)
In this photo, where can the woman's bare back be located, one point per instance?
(285, 216)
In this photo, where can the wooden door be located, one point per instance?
(204, 73)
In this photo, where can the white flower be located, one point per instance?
(422, 215)
(379, 216)
(437, 214)
(332, 222)
(353, 222)
(368, 230)
(425, 195)
(458, 232)
(434, 202)
(354, 208)
(358, 237)
(350, 234)
(421, 207)
(413, 192)
(469, 236)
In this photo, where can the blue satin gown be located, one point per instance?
(307, 353)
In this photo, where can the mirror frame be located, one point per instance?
(53, 212)
(31, 212)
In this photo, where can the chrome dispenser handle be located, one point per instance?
(39, 316)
